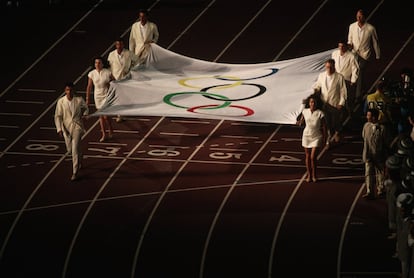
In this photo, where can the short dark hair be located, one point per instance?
(374, 112)
(69, 84)
(104, 62)
(144, 11)
(330, 61)
(343, 41)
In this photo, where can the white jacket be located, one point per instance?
(120, 66)
(139, 43)
(337, 93)
(368, 42)
(347, 65)
(64, 119)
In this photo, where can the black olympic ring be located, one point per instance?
(273, 71)
(262, 90)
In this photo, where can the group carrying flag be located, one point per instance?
(170, 84)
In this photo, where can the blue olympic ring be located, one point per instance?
(273, 71)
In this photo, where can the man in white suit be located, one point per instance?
(69, 113)
(332, 88)
(346, 63)
(143, 33)
(363, 40)
(120, 61)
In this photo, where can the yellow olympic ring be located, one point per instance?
(238, 82)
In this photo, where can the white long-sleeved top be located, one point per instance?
(346, 64)
(121, 64)
(139, 39)
(68, 114)
(334, 94)
(364, 40)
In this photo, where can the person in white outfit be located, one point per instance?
(313, 135)
(142, 34)
(346, 63)
(99, 79)
(69, 114)
(120, 60)
(332, 88)
(363, 41)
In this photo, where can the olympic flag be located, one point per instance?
(170, 84)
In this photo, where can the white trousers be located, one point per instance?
(73, 147)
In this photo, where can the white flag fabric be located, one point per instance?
(170, 84)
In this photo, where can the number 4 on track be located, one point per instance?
(285, 158)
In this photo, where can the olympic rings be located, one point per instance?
(273, 71)
(262, 90)
(249, 111)
(227, 102)
(230, 78)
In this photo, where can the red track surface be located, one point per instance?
(173, 197)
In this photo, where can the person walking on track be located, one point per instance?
(313, 135)
(69, 114)
(142, 34)
(99, 79)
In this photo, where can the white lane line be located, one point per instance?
(36, 90)
(291, 139)
(126, 131)
(344, 228)
(226, 197)
(249, 124)
(49, 49)
(36, 154)
(31, 196)
(179, 134)
(239, 137)
(287, 152)
(191, 24)
(168, 146)
(107, 144)
(282, 218)
(15, 114)
(229, 150)
(159, 200)
(191, 189)
(24, 101)
(92, 203)
(300, 31)
(46, 141)
(9, 126)
(190, 122)
(244, 29)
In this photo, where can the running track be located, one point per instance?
(174, 197)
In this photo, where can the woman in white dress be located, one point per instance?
(99, 79)
(314, 134)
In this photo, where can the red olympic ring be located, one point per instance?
(249, 111)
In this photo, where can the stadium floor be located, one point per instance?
(175, 197)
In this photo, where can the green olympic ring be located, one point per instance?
(167, 99)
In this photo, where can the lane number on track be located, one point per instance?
(285, 158)
(220, 155)
(42, 147)
(159, 152)
(112, 151)
(343, 160)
